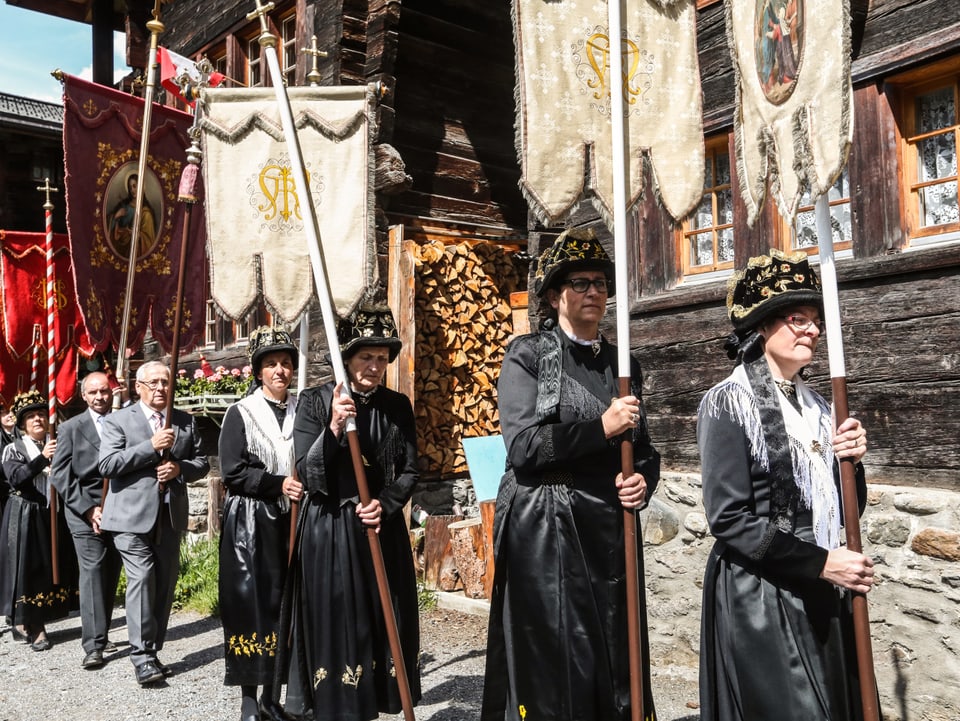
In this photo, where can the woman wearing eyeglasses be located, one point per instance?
(776, 635)
(557, 643)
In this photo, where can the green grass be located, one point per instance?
(197, 585)
(426, 597)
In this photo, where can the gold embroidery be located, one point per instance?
(351, 677)
(242, 646)
(320, 675)
(58, 595)
(523, 711)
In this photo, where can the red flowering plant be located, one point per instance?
(221, 381)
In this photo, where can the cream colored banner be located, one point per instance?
(564, 130)
(794, 113)
(255, 224)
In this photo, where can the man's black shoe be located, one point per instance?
(94, 659)
(147, 672)
(164, 669)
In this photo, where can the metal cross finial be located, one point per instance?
(47, 188)
(261, 12)
(314, 75)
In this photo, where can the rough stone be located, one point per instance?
(680, 493)
(937, 542)
(919, 504)
(661, 524)
(696, 523)
(888, 530)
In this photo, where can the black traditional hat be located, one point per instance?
(369, 325)
(266, 340)
(574, 249)
(770, 283)
(26, 402)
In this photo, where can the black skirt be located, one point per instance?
(253, 569)
(27, 592)
(339, 662)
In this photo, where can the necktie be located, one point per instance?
(156, 421)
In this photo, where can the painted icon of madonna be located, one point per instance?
(119, 206)
(778, 46)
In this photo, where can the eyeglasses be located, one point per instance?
(156, 383)
(801, 322)
(581, 285)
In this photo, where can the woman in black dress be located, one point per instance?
(256, 458)
(27, 591)
(339, 663)
(557, 647)
(776, 636)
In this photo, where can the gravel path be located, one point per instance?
(51, 685)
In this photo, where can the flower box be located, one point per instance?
(208, 404)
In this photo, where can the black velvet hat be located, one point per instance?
(770, 283)
(369, 325)
(265, 340)
(26, 402)
(574, 249)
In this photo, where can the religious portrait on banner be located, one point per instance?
(778, 39)
(119, 205)
(102, 139)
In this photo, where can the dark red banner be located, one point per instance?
(23, 267)
(101, 140)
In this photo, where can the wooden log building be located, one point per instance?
(449, 176)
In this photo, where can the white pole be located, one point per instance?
(831, 296)
(304, 347)
(619, 210)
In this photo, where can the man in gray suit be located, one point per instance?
(77, 479)
(146, 507)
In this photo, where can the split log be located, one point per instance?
(464, 320)
(466, 538)
(487, 510)
(439, 566)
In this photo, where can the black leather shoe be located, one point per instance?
(41, 644)
(250, 717)
(109, 647)
(147, 672)
(22, 633)
(164, 669)
(94, 659)
(270, 710)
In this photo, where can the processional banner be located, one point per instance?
(794, 112)
(563, 103)
(255, 223)
(24, 357)
(101, 138)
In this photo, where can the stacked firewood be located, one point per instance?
(463, 322)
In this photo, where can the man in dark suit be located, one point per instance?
(77, 478)
(149, 467)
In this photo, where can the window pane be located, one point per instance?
(805, 230)
(938, 157)
(725, 207)
(725, 254)
(938, 204)
(701, 249)
(723, 170)
(703, 216)
(840, 189)
(935, 110)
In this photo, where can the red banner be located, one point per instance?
(23, 359)
(101, 140)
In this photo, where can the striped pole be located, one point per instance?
(51, 368)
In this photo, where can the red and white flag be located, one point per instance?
(174, 66)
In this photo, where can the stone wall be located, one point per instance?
(914, 608)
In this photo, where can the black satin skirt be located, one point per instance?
(557, 643)
(27, 592)
(253, 566)
(774, 650)
(339, 661)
